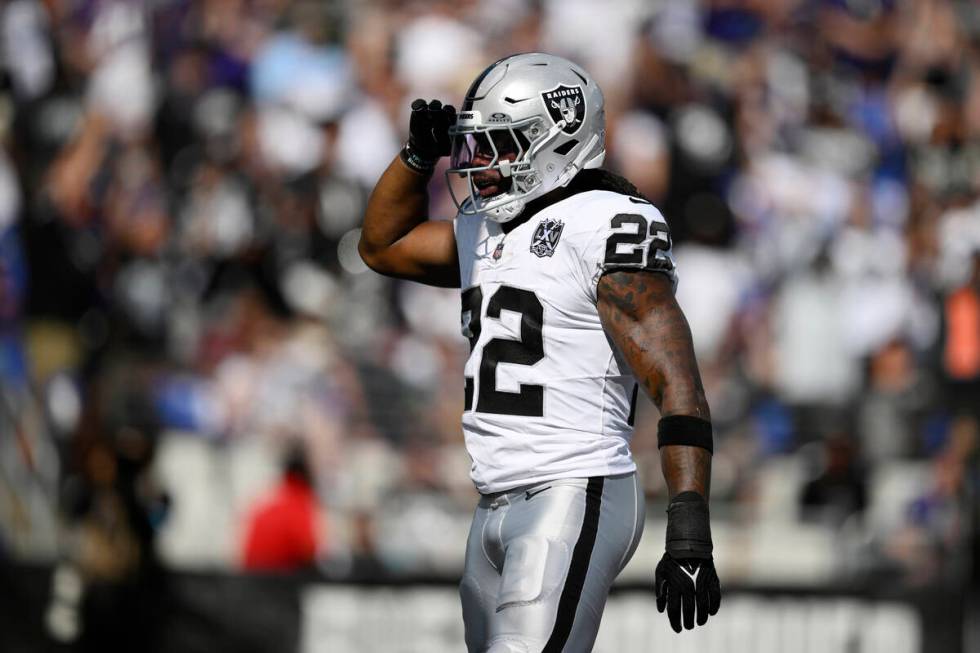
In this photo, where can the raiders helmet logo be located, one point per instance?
(566, 103)
(545, 238)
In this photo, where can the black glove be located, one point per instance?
(686, 577)
(428, 135)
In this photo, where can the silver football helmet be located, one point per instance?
(536, 119)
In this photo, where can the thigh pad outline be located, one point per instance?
(534, 569)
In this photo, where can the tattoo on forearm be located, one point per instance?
(640, 314)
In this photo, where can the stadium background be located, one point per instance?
(183, 311)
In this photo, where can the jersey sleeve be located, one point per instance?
(629, 234)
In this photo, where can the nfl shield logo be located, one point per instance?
(545, 238)
(566, 103)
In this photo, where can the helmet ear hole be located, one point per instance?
(565, 147)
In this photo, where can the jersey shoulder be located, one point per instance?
(600, 195)
(616, 231)
(604, 230)
(595, 209)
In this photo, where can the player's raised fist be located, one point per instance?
(428, 134)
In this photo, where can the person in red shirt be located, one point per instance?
(961, 350)
(282, 533)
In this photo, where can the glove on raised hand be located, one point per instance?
(428, 135)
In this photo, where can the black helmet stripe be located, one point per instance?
(471, 93)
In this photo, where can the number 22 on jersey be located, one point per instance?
(627, 246)
(529, 400)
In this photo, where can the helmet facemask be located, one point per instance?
(496, 154)
(529, 123)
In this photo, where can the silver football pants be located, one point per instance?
(540, 560)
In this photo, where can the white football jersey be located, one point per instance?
(547, 394)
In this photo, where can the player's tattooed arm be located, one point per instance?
(398, 239)
(641, 316)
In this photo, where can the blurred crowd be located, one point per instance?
(184, 318)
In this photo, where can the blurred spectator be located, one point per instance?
(931, 543)
(640, 149)
(284, 531)
(181, 185)
(814, 365)
(961, 350)
(893, 410)
(115, 510)
(839, 488)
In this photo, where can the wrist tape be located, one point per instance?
(416, 162)
(684, 430)
(688, 527)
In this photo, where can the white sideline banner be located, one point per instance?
(423, 619)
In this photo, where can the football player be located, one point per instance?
(568, 303)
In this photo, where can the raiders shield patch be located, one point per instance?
(566, 103)
(545, 238)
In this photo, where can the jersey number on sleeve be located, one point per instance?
(529, 400)
(634, 256)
